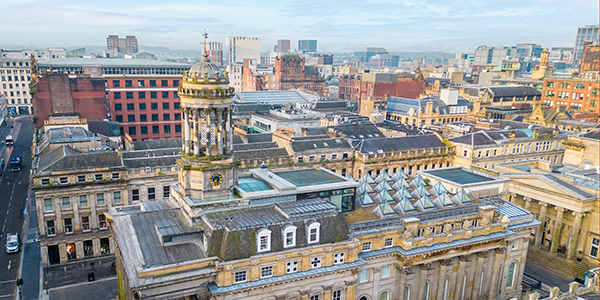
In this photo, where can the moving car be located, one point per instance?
(13, 243)
(16, 163)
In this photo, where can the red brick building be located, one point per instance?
(379, 85)
(292, 73)
(590, 59)
(146, 106)
(63, 94)
(580, 94)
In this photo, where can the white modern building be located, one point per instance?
(238, 48)
(14, 84)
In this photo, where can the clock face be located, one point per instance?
(216, 179)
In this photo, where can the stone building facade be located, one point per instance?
(14, 84)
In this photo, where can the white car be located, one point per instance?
(13, 244)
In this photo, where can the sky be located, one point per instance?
(338, 25)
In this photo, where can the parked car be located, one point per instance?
(13, 243)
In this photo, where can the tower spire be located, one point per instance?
(205, 35)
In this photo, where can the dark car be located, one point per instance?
(16, 163)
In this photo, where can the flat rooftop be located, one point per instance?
(110, 62)
(274, 97)
(308, 177)
(460, 176)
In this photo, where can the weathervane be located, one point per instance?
(205, 35)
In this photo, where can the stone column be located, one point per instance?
(557, 229)
(477, 276)
(351, 289)
(540, 229)
(422, 280)
(527, 203)
(186, 128)
(462, 261)
(229, 131)
(404, 271)
(442, 280)
(575, 237)
(208, 133)
(197, 132)
(493, 284)
(513, 197)
(79, 249)
(219, 128)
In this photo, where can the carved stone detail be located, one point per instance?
(407, 235)
(483, 254)
(255, 262)
(448, 228)
(228, 267)
(467, 224)
(500, 250)
(464, 258)
(281, 257)
(446, 262)
(428, 232)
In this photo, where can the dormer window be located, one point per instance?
(263, 241)
(314, 231)
(289, 236)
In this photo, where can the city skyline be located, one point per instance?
(455, 26)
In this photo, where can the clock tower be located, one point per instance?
(206, 169)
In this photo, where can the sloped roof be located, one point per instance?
(157, 144)
(260, 153)
(356, 131)
(55, 155)
(393, 144)
(301, 146)
(85, 161)
(514, 91)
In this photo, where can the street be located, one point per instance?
(13, 192)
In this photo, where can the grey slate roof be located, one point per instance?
(301, 146)
(106, 128)
(358, 131)
(259, 137)
(594, 134)
(157, 144)
(143, 162)
(514, 91)
(254, 146)
(81, 161)
(260, 153)
(401, 106)
(400, 143)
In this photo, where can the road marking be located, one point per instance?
(4, 296)
(1, 282)
(9, 263)
(82, 283)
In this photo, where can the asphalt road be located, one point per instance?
(13, 192)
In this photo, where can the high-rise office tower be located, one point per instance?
(587, 33)
(239, 48)
(127, 45)
(283, 46)
(307, 45)
(215, 52)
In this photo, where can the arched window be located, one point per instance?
(407, 293)
(363, 298)
(445, 289)
(384, 296)
(426, 293)
(313, 232)
(511, 275)
(263, 240)
(289, 236)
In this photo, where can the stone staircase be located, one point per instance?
(559, 264)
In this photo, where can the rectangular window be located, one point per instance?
(292, 266)
(100, 199)
(165, 95)
(266, 272)
(176, 105)
(119, 119)
(153, 83)
(166, 117)
(144, 130)
(115, 176)
(153, 106)
(143, 118)
(50, 227)
(116, 83)
(164, 83)
(81, 178)
(151, 193)
(142, 95)
(141, 83)
(515, 244)
(128, 83)
(367, 246)
(314, 297)
(117, 95)
(364, 275)
(240, 276)
(165, 105)
(68, 225)
(385, 271)
(155, 117)
(132, 131)
(129, 95)
(175, 83)
(167, 129)
(389, 242)
(135, 195)
(594, 247)
(166, 191)
(153, 95)
(63, 180)
(83, 202)
(130, 118)
(66, 203)
(175, 95)
(130, 106)
(155, 129)
(118, 107)
(85, 223)
(337, 295)
(142, 106)
(102, 221)
(116, 197)
(45, 181)
(315, 262)
(338, 258)
(47, 204)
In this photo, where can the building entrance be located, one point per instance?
(53, 254)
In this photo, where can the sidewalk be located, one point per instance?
(77, 272)
(558, 264)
